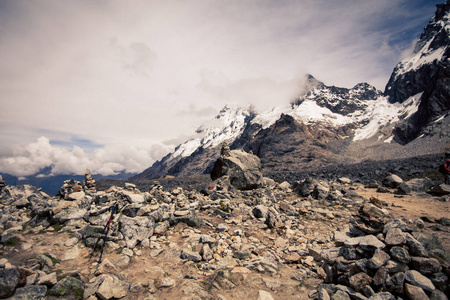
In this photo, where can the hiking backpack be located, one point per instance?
(442, 169)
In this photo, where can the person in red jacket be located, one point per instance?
(446, 167)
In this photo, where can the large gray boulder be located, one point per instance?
(392, 181)
(9, 278)
(138, 229)
(242, 169)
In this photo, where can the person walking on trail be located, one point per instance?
(445, 168)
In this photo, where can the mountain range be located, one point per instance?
(328, 125)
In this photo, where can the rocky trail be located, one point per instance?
(315, 239)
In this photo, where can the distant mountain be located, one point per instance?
(328, 125)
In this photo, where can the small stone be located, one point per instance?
(400, 254)
(263, 295)
(292, 258)
(378, 259)
(112, 287)
(190, 255)
(240, 270)
(166, 282)
(426, 265)
(127, 252)
(414, 292)
(48, 280)
(340, 295)
(359, 280)
(415, 278)
(222, 227)
(394, 237)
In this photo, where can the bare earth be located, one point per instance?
(190, 281)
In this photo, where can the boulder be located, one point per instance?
(415, 185)
(135, 230)
(9, 278)
(190, 255)
(415, 292)
(415, 278)
(30, 292)
(68, 286)
(112, 287)
(243, 170)
(442, 189)
(392, 181)
(359, 281)
(273, 219)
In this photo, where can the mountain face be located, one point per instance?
(328, 125)
(426, 72)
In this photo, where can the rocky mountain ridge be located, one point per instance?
(426, 72)
(329, 125)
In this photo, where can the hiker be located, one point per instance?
(445, 168)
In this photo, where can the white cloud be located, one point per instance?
(142, 73)
(30, 159)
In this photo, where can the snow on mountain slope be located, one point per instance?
(381, 112)
(227, 126)
(427, 49)
(348, 106)
(310, 112)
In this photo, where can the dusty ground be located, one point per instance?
(193, 282)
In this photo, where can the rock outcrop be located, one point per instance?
(242, 169)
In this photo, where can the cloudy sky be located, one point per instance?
(114, 85)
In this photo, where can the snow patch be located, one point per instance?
(440, 119)
(381, 112)
(268, 118)
(227, 126)
(389, 139)
(422, 58)
(310, 112)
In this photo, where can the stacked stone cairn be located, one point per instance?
(2, 183)
(89, 186)
(71, 190)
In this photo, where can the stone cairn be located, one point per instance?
(225, 150)
(89, 183)
(2, 183)
(71, 190)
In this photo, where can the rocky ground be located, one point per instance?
(367, 172)
(308, 239)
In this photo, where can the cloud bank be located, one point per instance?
(108, 160)
(147, 74)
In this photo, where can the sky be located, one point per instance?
(115, 85)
